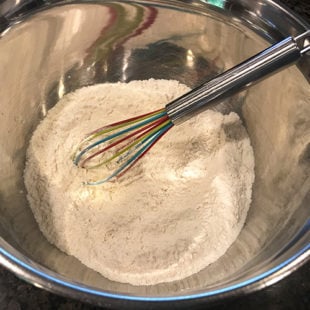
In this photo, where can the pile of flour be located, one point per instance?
(177, 211)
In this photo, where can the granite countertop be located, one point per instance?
(293, 292)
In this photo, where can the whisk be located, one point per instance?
(120, 145)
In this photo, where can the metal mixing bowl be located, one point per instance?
(51, 48)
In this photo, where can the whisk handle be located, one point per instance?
(210, 93)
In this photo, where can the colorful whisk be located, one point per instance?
(124, 143)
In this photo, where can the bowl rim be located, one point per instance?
(54, 284)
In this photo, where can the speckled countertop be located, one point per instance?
(292, 292)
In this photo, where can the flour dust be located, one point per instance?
(172, 215)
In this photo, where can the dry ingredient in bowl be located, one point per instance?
(177, 211)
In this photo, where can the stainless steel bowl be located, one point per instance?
(51, 48)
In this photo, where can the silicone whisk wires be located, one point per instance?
(120, 145)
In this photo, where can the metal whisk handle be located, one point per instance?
(210, 93)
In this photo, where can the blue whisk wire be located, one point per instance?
(135, 157)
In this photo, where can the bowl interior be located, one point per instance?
(67, 46)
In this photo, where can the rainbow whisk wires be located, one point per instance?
(121, 144)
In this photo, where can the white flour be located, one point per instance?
(173, 214)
